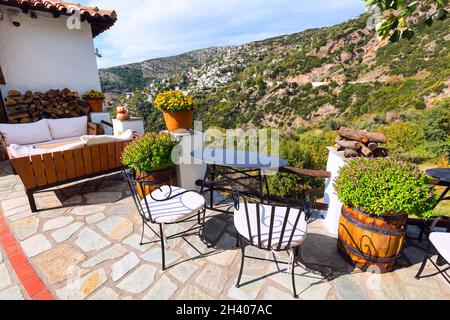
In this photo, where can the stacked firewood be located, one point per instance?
(53, 104)
(355, 143)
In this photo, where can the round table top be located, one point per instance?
(441, 174)
(239, 159)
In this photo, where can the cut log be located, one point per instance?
(349, 153)
(375, 137)
(373, 146)
(366, 151)
(354, 135)
(362, 136)
(51, 104)
(354, 145)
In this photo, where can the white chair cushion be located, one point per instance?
(66, 128)
(441, 241)
(240, 222)
(25, 134)
(174, 210)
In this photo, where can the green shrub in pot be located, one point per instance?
(93, 95)
(386, 186)
(149, 152)
(378, 197)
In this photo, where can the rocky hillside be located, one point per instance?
(313, 82)
(139, 75)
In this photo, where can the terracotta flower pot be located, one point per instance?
(155, 175)
(178, 120)
(95, 105)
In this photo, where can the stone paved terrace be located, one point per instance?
(87, 247)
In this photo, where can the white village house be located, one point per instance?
(49, 45)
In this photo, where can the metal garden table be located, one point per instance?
(236, 167)
(443, 175)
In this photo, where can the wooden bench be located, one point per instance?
(41, 172)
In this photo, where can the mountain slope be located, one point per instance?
(313, 82)
(138, 75)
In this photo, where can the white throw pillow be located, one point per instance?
(23, 134)
(96, 140)
(127, 135)
(68, 128)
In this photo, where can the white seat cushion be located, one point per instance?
(17, 151)
(25, 134)
(55, 142)
(441, 241)
(177, 209)
(240, 222)
(66, 128)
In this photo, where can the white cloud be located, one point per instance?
(155, 28)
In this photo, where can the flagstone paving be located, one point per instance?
(89, 248)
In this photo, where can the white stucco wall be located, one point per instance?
(44, 54)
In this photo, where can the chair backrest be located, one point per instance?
(141, 186)
(281, 223)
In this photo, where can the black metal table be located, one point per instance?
(443, 175)
(237, 168)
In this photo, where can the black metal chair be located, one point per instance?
(440, 242)
(271, 228)
(166, 205)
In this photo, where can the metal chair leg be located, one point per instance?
(143, 232)
(293, 274)
(162, 248)
(240, 244)
(32, 201)
(422, 268)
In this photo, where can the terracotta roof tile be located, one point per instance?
(100, 20)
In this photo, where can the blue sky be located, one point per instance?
(157, 28)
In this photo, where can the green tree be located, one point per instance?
(398, 17)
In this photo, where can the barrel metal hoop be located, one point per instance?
(397, 217)
(362, 255)
(373, 229)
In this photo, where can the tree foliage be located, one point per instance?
(399, 17)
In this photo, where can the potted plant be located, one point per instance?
(177, 109)
(95, 100)
(378, 197)
(150, 156)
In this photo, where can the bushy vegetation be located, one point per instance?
(150, 152)
(385, 186)
(93, 95)
(174, 101)
(307, 150)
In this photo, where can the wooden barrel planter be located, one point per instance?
(155, 175)
(371, 241)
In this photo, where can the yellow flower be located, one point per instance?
(174, 101)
